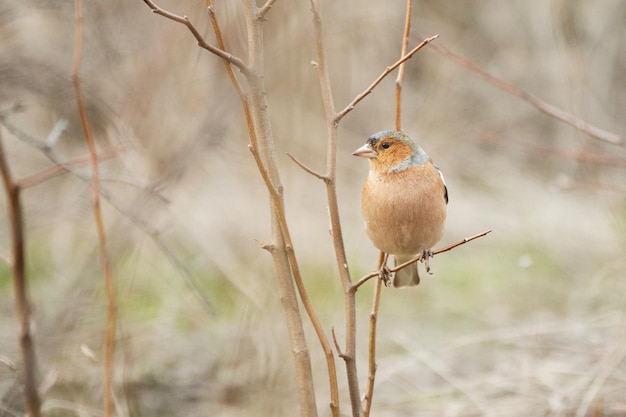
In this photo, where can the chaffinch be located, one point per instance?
(404, 200)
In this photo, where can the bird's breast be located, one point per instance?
(405, 211)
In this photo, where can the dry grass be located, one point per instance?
(528, 321)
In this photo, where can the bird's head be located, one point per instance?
(392, 151)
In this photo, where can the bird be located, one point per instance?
(404, 201)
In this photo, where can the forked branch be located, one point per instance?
(381, 77)
(265, 8)
(349, 354)
(231, 59)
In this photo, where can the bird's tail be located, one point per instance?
(407, 276)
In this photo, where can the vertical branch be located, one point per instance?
(405, 47)
(109, 344)
(306, 301)
(229, 70)
(371, 375)
(330, 360)
(32, 401)
(349, 355)
(262, 146)
(372, 366)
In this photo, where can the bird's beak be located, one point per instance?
(365, 151)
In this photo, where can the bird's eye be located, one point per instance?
(385, 145)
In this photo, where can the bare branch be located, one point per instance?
(461, 242)
(229, 69)
(109, 343)
(30, 140)
(231, 59)
(438, 251)
(32, 401)
(552, 111)
(324, 77)
(387, 71)
(382, 260)
(366, 278)
(349, 356)
(285, 262)
(405, 47)
(378, 273)
(266, 8)
(371, 377)
(263, 245)
(307, 169)
(337, 347)
(139, 221)
(62, 168)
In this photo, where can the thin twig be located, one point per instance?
(229, 70)
(387, 71)
(139, 221)
(30, 140)
(199, 39)
(438, 251)
(263, 245)
(307, 169)
(405, 47)
(266, 8)
(552, 111)
(63, 168)
(337, 347)
(461, 242)
(377, 273)
(32, 401)
(109, 343)
(366, 278)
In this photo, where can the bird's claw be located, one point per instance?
(385, 275)
(426, 255)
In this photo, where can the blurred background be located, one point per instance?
(530, 320)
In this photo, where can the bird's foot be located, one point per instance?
(426, 255)
(385, 275)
